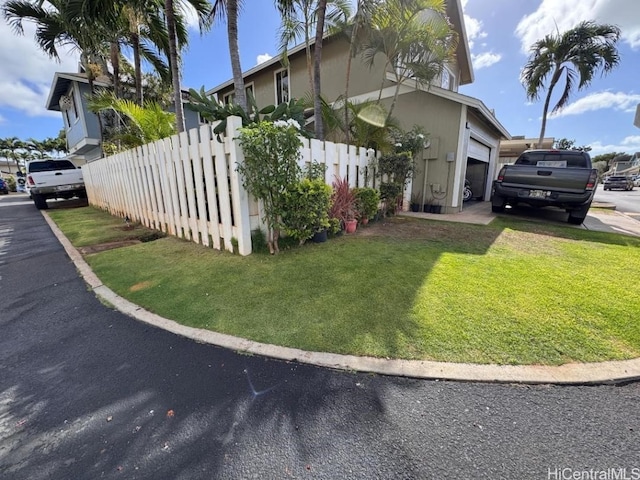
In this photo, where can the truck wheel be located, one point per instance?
(497, 204)
(40, 202)
(576, 217)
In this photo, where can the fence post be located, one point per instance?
(239, 194)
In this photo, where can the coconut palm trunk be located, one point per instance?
(547, 101)
(173, 64)
(317, 54)
(234, 53)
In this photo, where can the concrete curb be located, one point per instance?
(568, 374)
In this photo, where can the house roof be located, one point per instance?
(60, 86)
(454, 11)
(517, 145)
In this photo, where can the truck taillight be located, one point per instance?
(501, 174)
(30, 180)
(593, 178)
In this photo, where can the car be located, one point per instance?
(636, 180)
(4, 187)
(620, 182)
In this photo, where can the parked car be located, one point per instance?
(619, 182)
(636, 180)
(4, 187)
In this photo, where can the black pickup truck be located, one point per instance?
(540, 178)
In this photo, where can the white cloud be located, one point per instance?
(485, 59)
(561, 15)
(597, 101)
(27, 72)
(628, 145)
(263, 58)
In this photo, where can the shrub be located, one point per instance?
(270, 167)
(367, 201)
(306, 209)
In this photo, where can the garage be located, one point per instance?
(478, 155)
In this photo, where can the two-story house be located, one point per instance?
(68, 95)
(464, 134)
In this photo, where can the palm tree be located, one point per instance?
(59, 26)
(576, 54)
(300, 22)
(317, 59)
(229, 10)
(415, 38)
(359, 23)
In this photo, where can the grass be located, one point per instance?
(512, 292)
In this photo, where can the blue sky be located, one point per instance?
(500, 33)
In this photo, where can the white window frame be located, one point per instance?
(451, 83)
(280, 93)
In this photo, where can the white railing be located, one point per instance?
(188, 185)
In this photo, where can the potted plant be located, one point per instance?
(367, 203)
(343, 205)
(415, 203)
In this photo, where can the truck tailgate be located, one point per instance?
(57, 177)
(570, 180)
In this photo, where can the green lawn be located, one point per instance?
(512, 292)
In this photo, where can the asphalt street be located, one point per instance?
(88, 393)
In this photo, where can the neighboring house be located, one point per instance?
(510, 150)
(464, 134)
(68, 95)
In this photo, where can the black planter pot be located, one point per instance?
(426, 208)
(319, 237)
(436, 208)
(415, 207)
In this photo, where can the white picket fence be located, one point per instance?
(188, 185)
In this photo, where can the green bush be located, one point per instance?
(11, 183)
(306, 210)
(367, 201)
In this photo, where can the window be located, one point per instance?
(445, 79)
(68, 105)
(282, 86)
(230, 97)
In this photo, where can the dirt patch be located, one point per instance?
(140, 286)
(416, 229)
(101, 247)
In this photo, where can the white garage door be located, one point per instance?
(478, 150)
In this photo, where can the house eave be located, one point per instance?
(60, 86)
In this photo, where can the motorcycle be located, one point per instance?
(467, 194)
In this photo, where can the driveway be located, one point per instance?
(87, 392)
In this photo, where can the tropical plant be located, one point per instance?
(142, 124)
(415, 39)
(369, 125)
(414, 141)
(343, 202)
(59, 24)
(576, 55)
(306, 209)
(213, 111)
(367, 201)
(270, 167)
